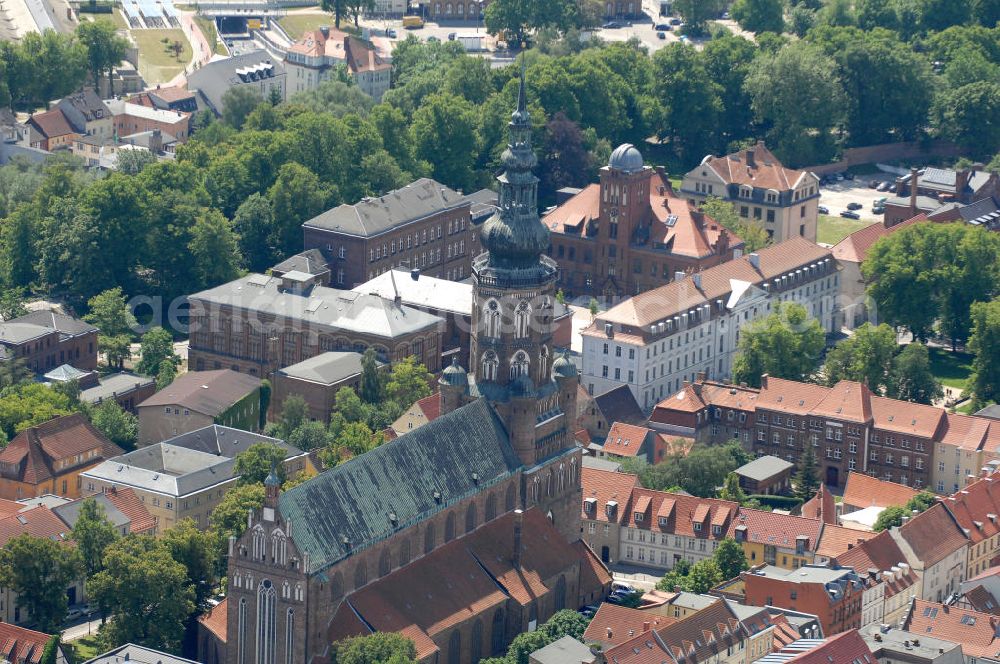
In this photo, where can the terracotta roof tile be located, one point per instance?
(846, 400)
(766, 172)
(863, 491)
(971, 629)
(626, 440)
(908, 418)
(837, 540)
(614, 624)
(981, 600)
(38, 522)
(821, 506)
(36, 449)
(602, 486)
(933, 535)
(854, 248)
(593, 573)
(128, 503)
(966, 431)
(214, 620)
(51, 124)
(431, 406)
(778, 529)
(844, 648)
(789, 396)
(676, 513)
(973, 506)
(716, 283)
(22, 645)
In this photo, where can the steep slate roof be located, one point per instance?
(18, 644)
(865, 491)
(326, 368)
(353, 501)
(619, 405)
(321, 306)
(374, 216)
(971, 629)
(605, 485)
(622, 623)
(933, 535)
(207, 392)
(482, 560)
(35, 449)
(716, 283)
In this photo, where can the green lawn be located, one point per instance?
(297, 24)
(85, 648)
(208, 29)
(952, 369)
(831, 230)
(157, 62)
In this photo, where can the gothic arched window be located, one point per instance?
(360, 575)
(518, 365)
(491, 319)
(561, 593)
(455, 642)
(470, 518)
(429, 538)
(562, 477)
(449, 527)
(522, 319)
(241, 637)
(266, 621)
(337, 586)
(491, 507)
(490, 365)
(543, 364)
(508, 503)
(404, 552)
(476, 644)
(290, 636)
(497, 633)
(384, 563)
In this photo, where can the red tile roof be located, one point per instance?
(821, 506)
(933, 535)
(38, 521)
(614, 624)
(431, 406)
(863, 491)
(626, 440)
(676, 514)
(969, 628)
(880, 553)
(602, 486)
(762, 171)
(783, 633)
(18, 644)
(214, 620)
(779, 530)
(846, 400)
(716, 282)
(977, 508)
(36, 450)
(844, 648)
(837, 540)
(128, 503)
(854, 248)
(982, 600)
(593, 573)
(51, 124)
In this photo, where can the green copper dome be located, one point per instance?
(563, 367)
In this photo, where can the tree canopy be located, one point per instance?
(787, 343)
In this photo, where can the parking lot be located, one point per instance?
(835, 196)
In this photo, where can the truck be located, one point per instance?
(470, 43)
(413, 22)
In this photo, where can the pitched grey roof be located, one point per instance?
(374, 216)
(67, 325)
(70, 512)
(226, 441)
(213, 79)
(139, 655)
(321, 306)
(114, 384)
(326, 368)
(764, 468)
(619, 405)
(924, 203)
(310, 261)
(347, 508)
(566, 650)
(166, 469)
(17, 333)
(207, 392)
(981, 207)
(64, 373)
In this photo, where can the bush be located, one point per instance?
(776, 502)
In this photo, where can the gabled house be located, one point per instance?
(935, 547)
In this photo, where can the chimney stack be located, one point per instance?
(518, 524)
(763, 381)
(696, 277)
(750, 159)
(645, 626)
(755, 260)
(914, 181)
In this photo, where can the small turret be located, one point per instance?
(272, 487)
(564, 367)
(453, 383)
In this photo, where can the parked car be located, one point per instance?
(854, 205)
(622, 587)
(661, 26)
(847, 214)
(872, 184)
(613, 25)
(725, 16)
(878, 209)
(675, 21)
(684, 39)
(451, 36)
(391, 33)
(884, 186)
(661, 35)
(848, 176)
(839, 177)
(74, 614)
(822, 209)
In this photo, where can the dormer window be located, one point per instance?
(589, 504)
(696, 526)
(716, 530)
(638, 517)
(663, 521)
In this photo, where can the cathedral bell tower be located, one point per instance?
(512, 361)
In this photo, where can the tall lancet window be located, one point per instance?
(518, 365)
(491, 319)
(490, 365)
(543, 362)
(266, 600)
(522, 320)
